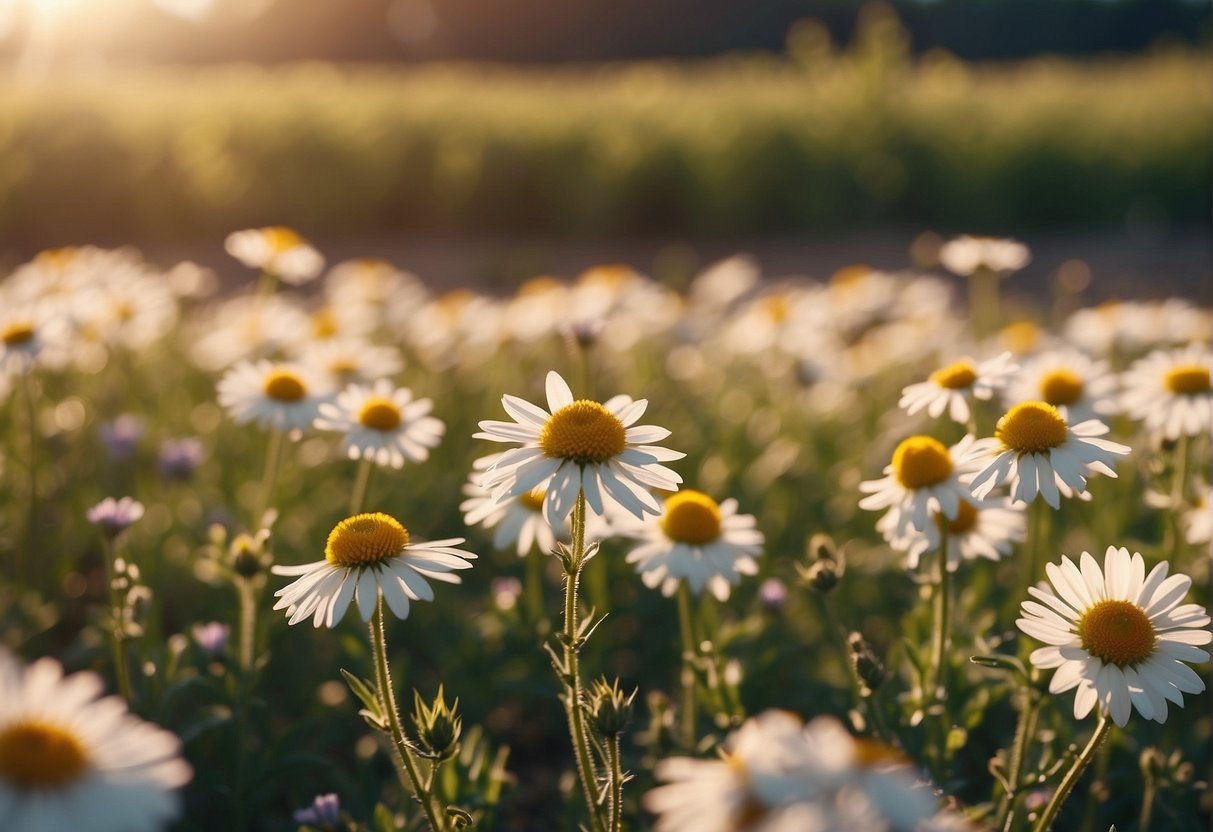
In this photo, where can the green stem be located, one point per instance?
(1071, 778)
(273, 461)
(361, 484)
(942, 624)
(24, 555)
(1147, 803)
(616, 791)
(843, 647)
(1178, 488)
(983, 302)
(248, 622)
(687, 676)
(573, 691)
(406, 764)
(1025, 728)
(121, 670)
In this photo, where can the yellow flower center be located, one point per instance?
(541, 285)
(921, 461)
(280, 238)
(343, 366)
(365, 540)
(777, 308)
(956, 376)
(40, 755)
(583, 431)
(1119, 632)
(1060, 386)
(966, 519)
(872, 754)
(533, 499)
(1187, 379)
(1031, 428)
(16, 334)
(284, 386)
(57, 258)
(379, 413)
(1020, 337)
(691, 517)
(324, 324)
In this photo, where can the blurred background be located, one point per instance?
(484, 143)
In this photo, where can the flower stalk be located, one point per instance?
(687, 675)
(1071, 779)
(117, 637)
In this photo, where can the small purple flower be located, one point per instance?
(211, 637)
(179, 458)
(324, 812)
(113, 517)
(505, 592)
(772, 593)
(121, 436)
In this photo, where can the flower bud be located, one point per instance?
(438, 725)
(868, 667)
(250, 554)
(610, 708)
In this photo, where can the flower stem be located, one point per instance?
(273, 461)
(573, 692)
(248, 622)
(406, 764)
(937, 693)
(24, 555)
(361, 485)
(616, 792)
(983, 302)
(687, 676)
(121, 670)
(1178, 488)
(1068, 782)
(1025, 728)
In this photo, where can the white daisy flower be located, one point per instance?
(950, 388)
(1038, 452)
(1079, 386)
(347, 360)
(923, 480)
(965, 255)
(246, 327)
(382, 423)
(518, 522)
(32, 334)
(284, 397)
(1118, 635)
(1169, 391)
(366, 555)
(277, 250)
(709, 545)
(987, 529)
(581, 446)
(72, 759)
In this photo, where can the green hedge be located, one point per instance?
(741, 145)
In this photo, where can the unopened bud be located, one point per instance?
(250, 555)
(868, 667)
(438, 725)
(610, 708)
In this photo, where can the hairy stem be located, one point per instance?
(1071, 779)
(687, 675)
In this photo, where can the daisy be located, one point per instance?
(276, 250)
(922, 480)
(382, 423)
(950, 388)
(281, 396)
(517, 522)
(247, 327)
(696, 539)
(966, 255)
(366, 555)
(71, 759)
(984, 530)
(1118, 635)
(346, 360)
(32, 334)
(581, 446)
(1036, 450)
(1169, 391)
(1080, 387)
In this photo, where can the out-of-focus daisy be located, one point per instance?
(580, 446)
(1169, 391)
(950, 388)
(986, 530)
(277, 250)
(696, 539)
(70, 759)
(778, 776)
(347, 360)
(923, 480)
(965, 255)
(1118, 635)
(247, 328)
(1037, 451)
(274, 395)
(382, 423)
(517, 522)
(1081, 387)
(375, 285)
(1198, 520)
(132, 311)
(366, 555)
(31, 334)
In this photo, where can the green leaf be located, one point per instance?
(365, 691)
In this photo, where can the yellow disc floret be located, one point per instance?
(1060, 386)
(921, 461)
(17, 333)
(284, 386)
(1119, 632)
(1187, 379)
(380, 413)
(956, 376)
(280, 238)
(583, 431)
(37, 755)
(965, 520)
(691, 517)
(365, 540)
(1031, 428)
(533, 499)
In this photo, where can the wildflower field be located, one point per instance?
(760, 554)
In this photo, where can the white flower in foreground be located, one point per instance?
(1119, 636)
(280, 396)
(965, 255)
(382, 424)
(922, 481)
(580, 446)
(365, 555)
(709, 545)
(70, 759)
(1169, 391)
(951, 388)
(1077, 385)
(778, 775)
(986, 530)
(277, 250)
(517, 522)
(1038, 452)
